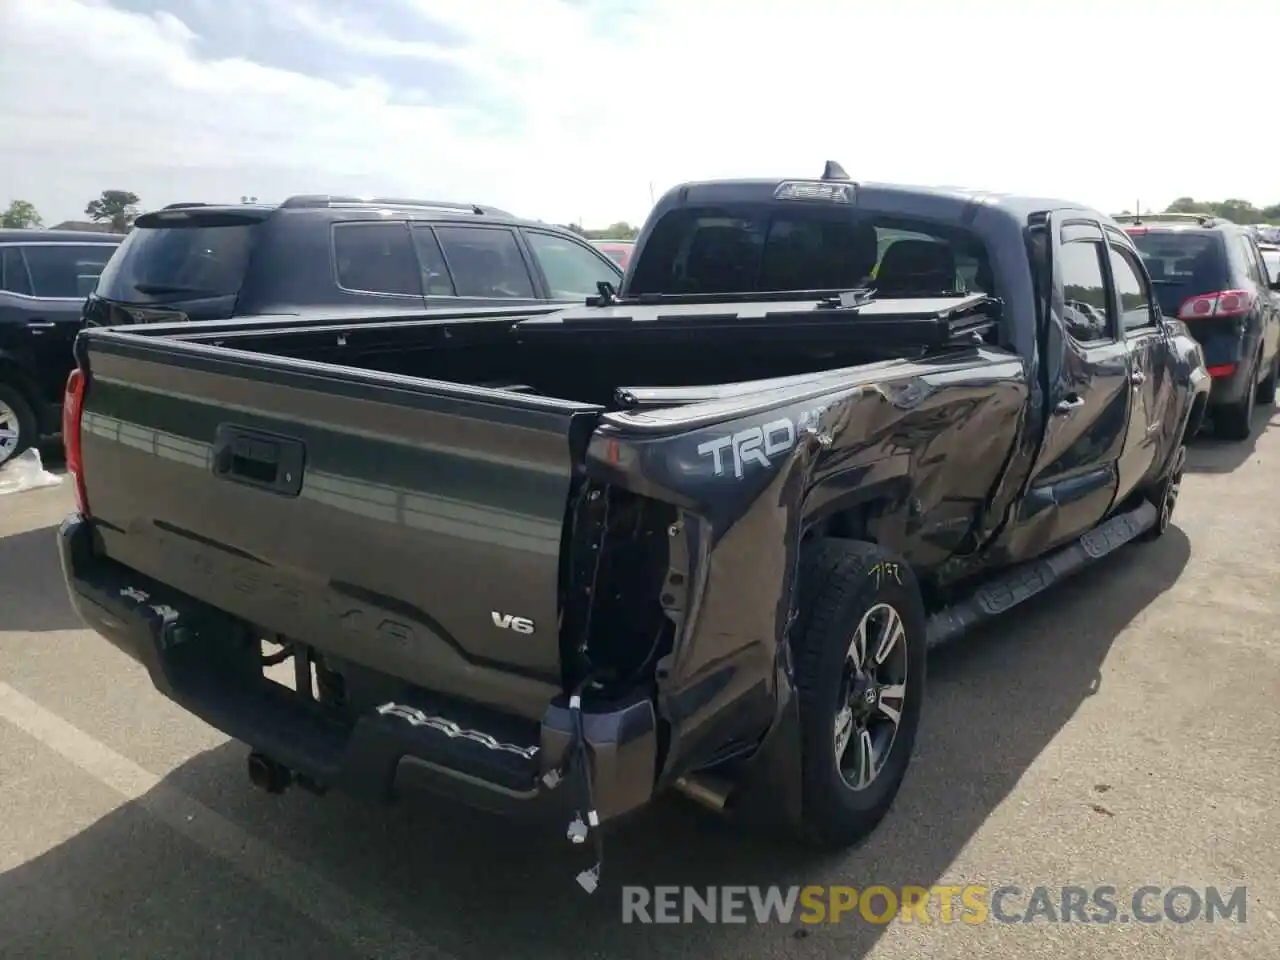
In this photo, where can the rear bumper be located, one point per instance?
(188, 648)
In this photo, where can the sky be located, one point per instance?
(580, 110)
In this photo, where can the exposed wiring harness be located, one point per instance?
(586, 818)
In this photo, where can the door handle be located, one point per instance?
(1072, 403)
(1137, 378)
(35, 323)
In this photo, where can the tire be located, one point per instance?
(1165, 497)
(1235, 422)
(17, 416)
(845, 584)
(1267, 389)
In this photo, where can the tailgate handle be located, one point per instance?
(263, 460)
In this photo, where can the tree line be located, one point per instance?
(1237, 211)
(114, 209)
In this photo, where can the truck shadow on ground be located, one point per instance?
(1207, 454)
(476, 887)
(33, 596)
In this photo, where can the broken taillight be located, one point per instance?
(72, 414)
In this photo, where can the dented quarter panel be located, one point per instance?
(921, 445)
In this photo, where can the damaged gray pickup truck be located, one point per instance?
(694, 535)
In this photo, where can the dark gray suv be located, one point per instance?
(1209, 274)
(323, 253)
(44, 278)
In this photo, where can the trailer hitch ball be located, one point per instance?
(267, 774)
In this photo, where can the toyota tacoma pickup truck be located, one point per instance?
(695, 534)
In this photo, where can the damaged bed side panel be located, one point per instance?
(908, 459)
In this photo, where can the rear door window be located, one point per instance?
(1252, 262)
(13, 271)
(1183, 264)
(572, 271)
(181, 262)
(435, 272)
(485, 262)
(749, 248)
(65, 271)
(1271, 260)
(1131, 291)
(376, 257)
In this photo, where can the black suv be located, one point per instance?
(44, 278)
(1208, 273)
(323, 253)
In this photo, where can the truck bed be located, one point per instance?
(415, 500)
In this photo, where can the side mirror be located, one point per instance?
(1275, 285)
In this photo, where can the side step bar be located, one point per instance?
(1029, 579)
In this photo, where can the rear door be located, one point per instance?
(475, 266)
(1074, 480)
(47, 283)
(1153, 401)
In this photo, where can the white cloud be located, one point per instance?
(1106, 101)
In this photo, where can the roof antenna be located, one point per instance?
(833, 171)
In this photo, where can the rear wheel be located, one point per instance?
(1166, 494)
(1235, 421)
(860, 675)
(17, 423)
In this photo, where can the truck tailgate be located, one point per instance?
(410, 526)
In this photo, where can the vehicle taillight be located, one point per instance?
(1222, 370)
(1135, 231)
(72, 412)
(1222, 303)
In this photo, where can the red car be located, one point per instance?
(619, 251)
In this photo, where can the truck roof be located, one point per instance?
(1016, 206)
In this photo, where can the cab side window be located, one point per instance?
(1085, 291)
(1131, 291)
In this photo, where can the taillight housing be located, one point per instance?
(1221, 303)
(72, 414)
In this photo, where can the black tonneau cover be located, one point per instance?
(928, 323)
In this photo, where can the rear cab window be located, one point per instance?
(1182, 263)
(171, 256)
(752, 248)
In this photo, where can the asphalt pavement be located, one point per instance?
(1122, 730)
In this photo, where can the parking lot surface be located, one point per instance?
(1122, 730)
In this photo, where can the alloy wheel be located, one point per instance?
(872, 694)
(10, 431)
